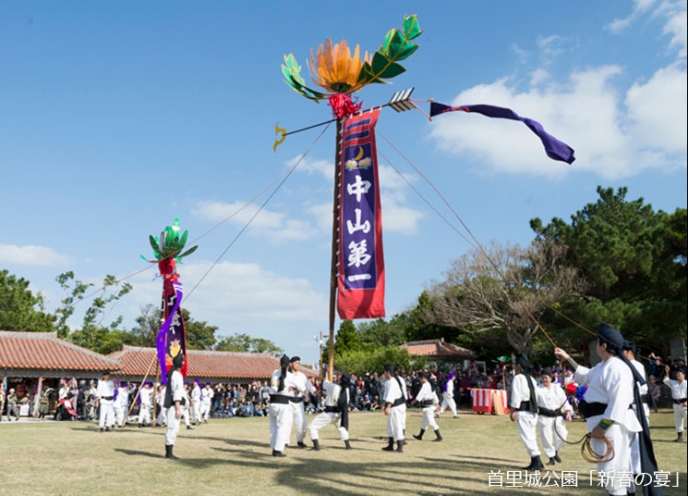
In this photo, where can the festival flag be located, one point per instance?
(361, 270)
(171, 339)
(556, 150)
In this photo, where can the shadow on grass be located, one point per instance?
(147, 454)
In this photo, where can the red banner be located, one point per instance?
(361, 269)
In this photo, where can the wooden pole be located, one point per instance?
(138, 391)
(335, 249)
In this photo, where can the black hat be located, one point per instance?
(522, 360)
(390, 368)
(613, 338)
(345, 380)
(295, 359)
(546, 371)
(682, 368)
(284, 361)
(629, 346)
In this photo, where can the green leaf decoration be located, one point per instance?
(395, 47)
(411, 28)
(170, 244)
(292, 76)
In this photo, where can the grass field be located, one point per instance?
(232, 456)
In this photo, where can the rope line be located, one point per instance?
(260, 209)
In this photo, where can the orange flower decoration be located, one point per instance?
(335, 70)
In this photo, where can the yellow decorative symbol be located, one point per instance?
(279, 139)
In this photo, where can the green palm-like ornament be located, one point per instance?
(170, 245)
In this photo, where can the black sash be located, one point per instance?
(546, 412)
(591, 409)
(402, 400)
(296, 399)
(682, 400)
(331, 409)
(343, 406)
(426, 403)
(279, 399)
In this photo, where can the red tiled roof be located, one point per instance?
(45, 351)
(437, 348)
(135, 361)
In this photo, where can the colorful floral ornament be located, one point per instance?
(169, 245)
(337, 72)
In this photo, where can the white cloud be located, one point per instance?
(615, 133)
(325, 168)
(237, 297)
(639, 7)
(275, 225)
(31, 255)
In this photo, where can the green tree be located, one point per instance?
(247, 344)
(361, 361)
(199, 335)
(94, 334)
(20, 310)
(147, 326)
(347, 338)
(634, 260)
(379, 332)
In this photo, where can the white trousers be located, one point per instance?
(300, 420)
(185, 415)
(172, 425)
(324, 419)
(281, 419)
(621, 439)
(107, 414)
(428, 419)
(196, 412)
(448, 401)
(205, 410)
(526, 423)
(552, 441)
(119, 413)
(679, 417)
(144, 414)
(396, 422)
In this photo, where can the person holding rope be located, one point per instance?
(282, 387)
(296, 402)
(680, 399)
(553, 408)
(172, 404)
(523, 404)
(395, 409)
(607, 409)
(336, 410)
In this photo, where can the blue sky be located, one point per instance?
(117, 118)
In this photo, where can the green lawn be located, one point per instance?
(232, 456)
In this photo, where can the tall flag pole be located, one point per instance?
(357, 265)
(357, 282)
(171, 339)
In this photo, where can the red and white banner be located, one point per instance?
(483, 400)
(361, 269)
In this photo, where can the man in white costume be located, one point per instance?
(607, 406)
(206, 401)
(395, 409)
(629, 353)
(523, 403)
(105, 392)
(448, 396)
(146, 397)
(678, 395)
(553, 408)
(282, 387)
(296, 402)
(336, 410)
(427, 399)
(196, 403)
(121, 404)
(172, 404)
